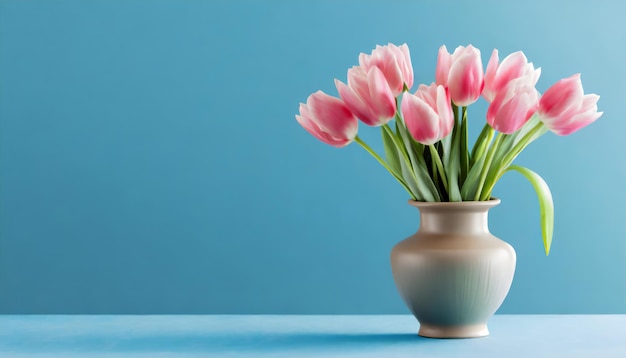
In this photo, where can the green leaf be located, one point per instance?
(424, 181)
(546, 206)
(391, 153)
(532, 122)
(453, 166)
(446, 147)
(385, 165)
(405, 163)
(468, 190)
(463, 152)
(512, 140)
(480, 144)
(411, 182)
(509, 148)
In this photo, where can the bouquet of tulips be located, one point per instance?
(426, 147)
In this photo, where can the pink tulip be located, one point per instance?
(444, 61)
(328, 119)
(428, 114)
(395, 64)
(564, 108)
(514, 104)
(368, 95)
(462, 73)
(497, 76)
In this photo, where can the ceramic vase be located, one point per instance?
(453, 274)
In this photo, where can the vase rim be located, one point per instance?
(455, 204)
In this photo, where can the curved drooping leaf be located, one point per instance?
(546, 206)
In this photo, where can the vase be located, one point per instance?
(453, 274)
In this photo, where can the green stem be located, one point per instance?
(514, 152)
(487, 166)
(401, 147)
(455, 111)
(463, 147)
(413, 152)
(384, 164)
(437, 160)
(508, 159)
(398, 142)
(435, 175)
(481, 145)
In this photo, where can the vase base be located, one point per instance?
(460, 331)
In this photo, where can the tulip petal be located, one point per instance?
(444, 61)
(590, 102)
(407, 66)
(332, 115)
(577, 122)
(563, 95)
(465, 79)
(356, 104)
(381, 96)
(564, 108)
(490, 75)
(385, 59)
(364, 60)
(510, 68)
(421, 120)
(444, 110)
(428, 94)
(568, 124)
(514, 113)
(311, 127)
(395, 64)
(357, 81)
(513, 106)
(536, 74)
(498, 76)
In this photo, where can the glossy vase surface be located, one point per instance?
(453, 274)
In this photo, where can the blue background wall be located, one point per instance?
(151, 163)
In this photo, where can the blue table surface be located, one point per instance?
(303, 336)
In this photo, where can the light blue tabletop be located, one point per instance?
(304, 336)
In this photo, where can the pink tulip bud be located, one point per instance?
(368, 95)
(428, 114)
(328, 119)
(513, 105)
(395, 64)
(497, 76)
(564, 108)
(462, 73)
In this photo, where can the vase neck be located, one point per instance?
(455, 218)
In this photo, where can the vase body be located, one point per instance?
(453, 274)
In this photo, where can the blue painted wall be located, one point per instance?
(151, 163)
